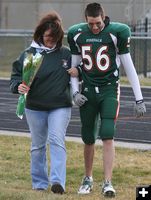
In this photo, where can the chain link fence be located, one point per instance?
(14, 42)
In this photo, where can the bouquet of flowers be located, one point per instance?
(31, 65)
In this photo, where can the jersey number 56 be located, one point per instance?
(101, 60)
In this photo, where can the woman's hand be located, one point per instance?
(73, 72)
(23, 88)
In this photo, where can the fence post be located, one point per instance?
(145, 49)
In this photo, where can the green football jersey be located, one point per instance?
(100, 52)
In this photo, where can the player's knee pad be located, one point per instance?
(88, 137)
(87, 140)
(107, 129)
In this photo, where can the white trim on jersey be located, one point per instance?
(75, 40)
(129, 68)
(114, 39)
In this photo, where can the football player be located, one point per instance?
(99, 46)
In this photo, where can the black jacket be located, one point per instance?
(50, 88)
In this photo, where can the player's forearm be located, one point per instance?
(131, 75)
(74, 84)
(75, 61)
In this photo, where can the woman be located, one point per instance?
(48, 103)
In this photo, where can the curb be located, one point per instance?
(129, 145)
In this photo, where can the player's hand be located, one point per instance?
(140, 108)
(73, 72)
(79, 99)
(23, 88)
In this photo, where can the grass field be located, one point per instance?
(132, 168)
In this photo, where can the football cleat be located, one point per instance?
(107, 189)
(87, 185)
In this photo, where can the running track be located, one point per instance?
(128, 129)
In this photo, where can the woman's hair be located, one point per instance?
(94, 10)
(53, 22)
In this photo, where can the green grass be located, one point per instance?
(10, 49)
(132, 168)
(143, 81)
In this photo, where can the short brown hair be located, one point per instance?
(94, 10)
(53, 22)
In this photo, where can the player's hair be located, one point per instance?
(53, 22)
(94, 10)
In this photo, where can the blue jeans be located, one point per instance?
(48, 127)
